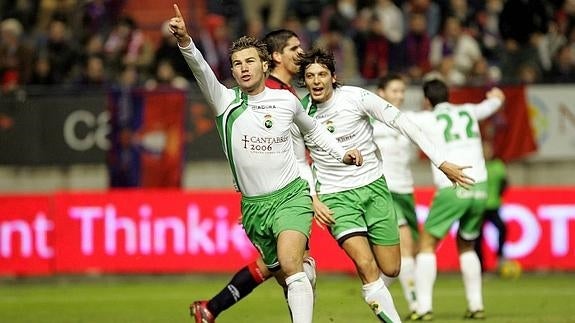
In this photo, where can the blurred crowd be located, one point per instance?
(84, 44)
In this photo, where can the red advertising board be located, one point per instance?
(26, 235)
(169, 231)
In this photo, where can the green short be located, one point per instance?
(366, 211)
(452, 204)
(264, 217)
(405, 209)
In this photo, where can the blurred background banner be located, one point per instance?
(552, 115)
(538, 121)
(53, 128)
(174, 231)
(146, 138)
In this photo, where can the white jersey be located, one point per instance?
(347, 116)
(397, 151)
(255, 130)
(456, 127)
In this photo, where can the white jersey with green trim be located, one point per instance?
(347, 116)
(397, 152)
(456, 127)
(255, 130)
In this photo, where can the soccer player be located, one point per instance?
(457, 128)
(355, 204)
(397, 152)
(254, 123)
(284, 48)
(496, 186)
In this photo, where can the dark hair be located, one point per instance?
(435, 91)
(246, 42)
(320, 56)
(276, 41)
(385, 80)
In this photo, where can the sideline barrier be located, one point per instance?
(174, 231)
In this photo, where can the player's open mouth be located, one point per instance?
(246, 77)
(317, 90)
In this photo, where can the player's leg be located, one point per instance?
(425, 275)
(291, 246)
(446, 208)
(351, 231)
(374, 291)
(502, 230)
(286, 213)
(242, 283)
(408, 235)
(469, 227)
(292, 227)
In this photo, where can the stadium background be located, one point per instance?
(60, 214)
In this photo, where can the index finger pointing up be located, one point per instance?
(177, 10)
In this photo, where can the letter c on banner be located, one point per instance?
(96, 130)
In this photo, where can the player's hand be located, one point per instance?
(353, 157)
(456, 175)
(177, 27)
(322, 214)
(495, 93)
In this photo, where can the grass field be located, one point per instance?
(532, 298)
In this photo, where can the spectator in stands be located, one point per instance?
(374, 59)
(16, 57)
(97, 16)
(55, 9)
(417, 45)
(563, 66)
(454, 44)
(336, 41)
(93, 74)
(42, 73)
(25, 11)
(489, 36)
(393, 28)
(60, 48)
(521, 24)
(343, 11)
(214, 42)
(127, 45)
(429, 9)
(165, 78)
(391, 17)
(270, 13)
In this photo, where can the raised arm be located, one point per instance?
(380, 109)
(217, 95)
(494, 99)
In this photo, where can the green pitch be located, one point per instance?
(532, 298)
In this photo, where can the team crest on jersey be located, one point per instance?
(330, 127)
(268, 123)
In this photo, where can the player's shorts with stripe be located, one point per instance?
(265, 216)
(452, 204)
(404, 204)
(366, 211)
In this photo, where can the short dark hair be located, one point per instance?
(246, 42)
(386, 79)
(316, 55)
(435, 91)
(276, 41)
